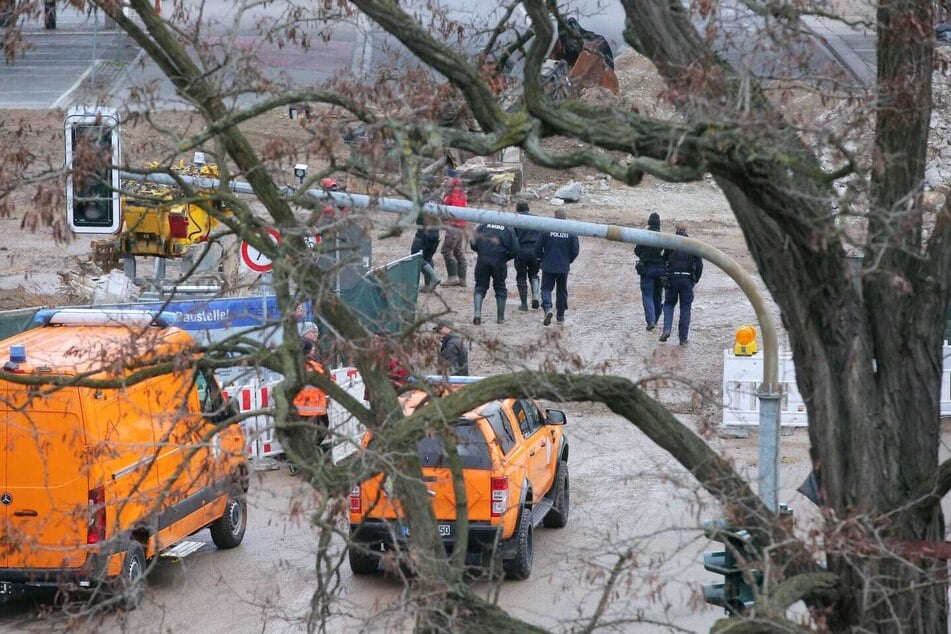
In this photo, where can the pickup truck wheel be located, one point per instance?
(128, 588)
(520, 566)
(363, 561)
(557, 517)
(228, 530)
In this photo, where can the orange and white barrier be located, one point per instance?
(254, 395)
(248, 397)
(742, 376)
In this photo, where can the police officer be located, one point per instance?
(495, 246)
(526, 264)
(425, 242)
(683, 271)
(556, 250)
(651, 267)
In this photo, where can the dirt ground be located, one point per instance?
(605, 325)
(604, 332)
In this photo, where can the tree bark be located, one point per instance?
(867, 354)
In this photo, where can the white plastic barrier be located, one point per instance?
(346, 431)
(245, 397)
(742, 377)
(946, 382)
(252, 395)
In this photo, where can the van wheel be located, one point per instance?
(557, 517)
(520, 566)
(228, 530)
(128, 588)
(363, 561)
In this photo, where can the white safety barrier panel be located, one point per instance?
(346, 432)
(946, 382)
(743, 375)
(246, 398)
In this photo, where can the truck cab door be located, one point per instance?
(538, 444)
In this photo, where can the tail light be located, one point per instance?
(356, 502)
(178, 226)
(96, 528)
(500, 496)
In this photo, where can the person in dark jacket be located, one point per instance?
(526, 264)
(683, 271)
(495, 246)
(556, 250)
(426, 241)
(651, 267)
(453, 356)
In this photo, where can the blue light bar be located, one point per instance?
(103, 317)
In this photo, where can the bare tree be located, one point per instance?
(866, 340)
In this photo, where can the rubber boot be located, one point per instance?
(535, 292)
(523, 296)
(432, 280)
(477, 308)
(452, 279)
(461, 264)
(500, 309)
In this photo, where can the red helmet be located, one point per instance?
(329, 183)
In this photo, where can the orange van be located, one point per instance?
(514, 458)
(95, 481)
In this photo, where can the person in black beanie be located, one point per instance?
(425, 242)
(526, 264)
(683, 272)
(651, 268)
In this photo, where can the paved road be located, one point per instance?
(852, 47)
(624, 493)
(59, 62)
(59, 68)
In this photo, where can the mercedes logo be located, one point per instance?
(6, 499)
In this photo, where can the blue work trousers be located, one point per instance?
(652, 288)
(558, 281)
(680, 288)
(497, 271)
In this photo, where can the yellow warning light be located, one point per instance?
(745, 341)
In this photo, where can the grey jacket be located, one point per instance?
(454, 355)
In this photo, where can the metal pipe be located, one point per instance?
(769, 390)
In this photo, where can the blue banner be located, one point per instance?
(215, 314)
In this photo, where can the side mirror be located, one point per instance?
(555, 417)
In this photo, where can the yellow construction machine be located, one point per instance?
(164, 230)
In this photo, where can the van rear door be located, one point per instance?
(46, 479)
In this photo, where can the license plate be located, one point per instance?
(445, 530)
(6, 587)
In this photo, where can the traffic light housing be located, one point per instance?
(92, 162)
(736, 594)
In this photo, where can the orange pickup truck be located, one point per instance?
(514, 456)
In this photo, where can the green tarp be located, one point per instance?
(16, 321)
(385, 299)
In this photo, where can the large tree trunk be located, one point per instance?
(868, 351)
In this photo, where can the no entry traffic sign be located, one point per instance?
(255, 261)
